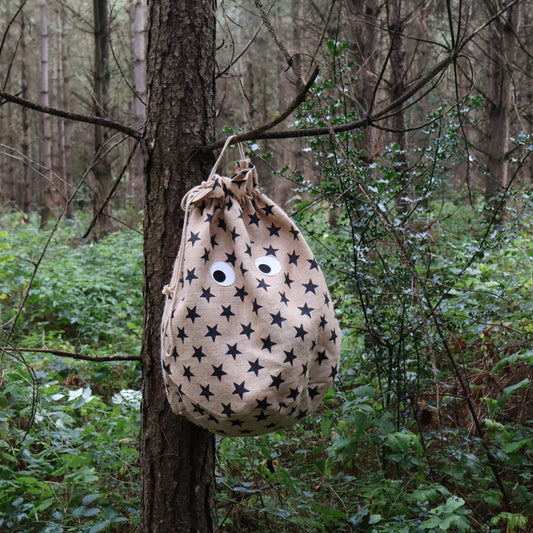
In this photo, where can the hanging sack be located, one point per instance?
(250, 343)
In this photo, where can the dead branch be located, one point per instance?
(72, 355)
(79, 117)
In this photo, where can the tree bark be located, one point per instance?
(501, 56)
(398, 122)
(177, 458)
(45, 200)
(102, 178)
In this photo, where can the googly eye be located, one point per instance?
(269, 266)
(222, 273)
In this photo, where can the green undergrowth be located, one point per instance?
(393, 448)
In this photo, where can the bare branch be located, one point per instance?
(264, 129)
(91, 119)
(63, 353)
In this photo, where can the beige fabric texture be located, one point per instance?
(250, 343)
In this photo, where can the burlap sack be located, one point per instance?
(249, 338)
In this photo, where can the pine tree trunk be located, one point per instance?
(503, 45)
(177, 458)
(102, 179)
(23, 191)
(46, 191)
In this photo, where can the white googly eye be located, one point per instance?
(269, 266)
(222, 273)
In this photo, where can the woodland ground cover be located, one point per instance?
(392, 448)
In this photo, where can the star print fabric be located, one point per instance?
(250, 343)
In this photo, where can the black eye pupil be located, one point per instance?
(219, 276)
(265, 269)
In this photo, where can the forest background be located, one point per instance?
(399, 137)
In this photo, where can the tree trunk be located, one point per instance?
(23, 185)
(63, 148)
(101, 182)
(138, 29)
(46, 200)
(177, 458)
(398, 122)
(501, 56)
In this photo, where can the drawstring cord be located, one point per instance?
(194, 195)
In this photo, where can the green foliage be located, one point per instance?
(69, 428)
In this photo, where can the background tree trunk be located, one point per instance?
(502, 47)
(177, 458)
(101, 182)
(45, 199)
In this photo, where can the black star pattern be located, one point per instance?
(248, 250)
(206, 393)
(233, 350)
(247, 330)
(254, 219)
(276, 381)
(269, 250)
(288, 280)
(182, 335)
(198, 409)
(312, 391)
(333, 336)
(284, 299)
(274, 230)
(263, 404)
(187, 372)
(304, 369)
(293, 393)
(268, 343)
(306, 310)
(293, 258)
(326, 299)
(256, 307)
(208, 218)
(191, 276)
(240, 389)
(236, 422)
(192, 314)
(243, 270)
(289, 356)
(207, 294)
(175, 354)
(222, 225)
(300, 332)
(267, 209)
(323, 322)
(310, 286)
(227, 312)
(166, 368)
(193, 238)
(295, 234)
(234, 234)
(333, 374)
(205, 257)
(218, 372)
(255, 367)
(212, 331)
(227, 410)
(213, 241)
(240, 293)
(198, 353)
(261, 284)
(230, 258)
(321, 356)
(313, 265)
(260, 416)
(277, 319)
